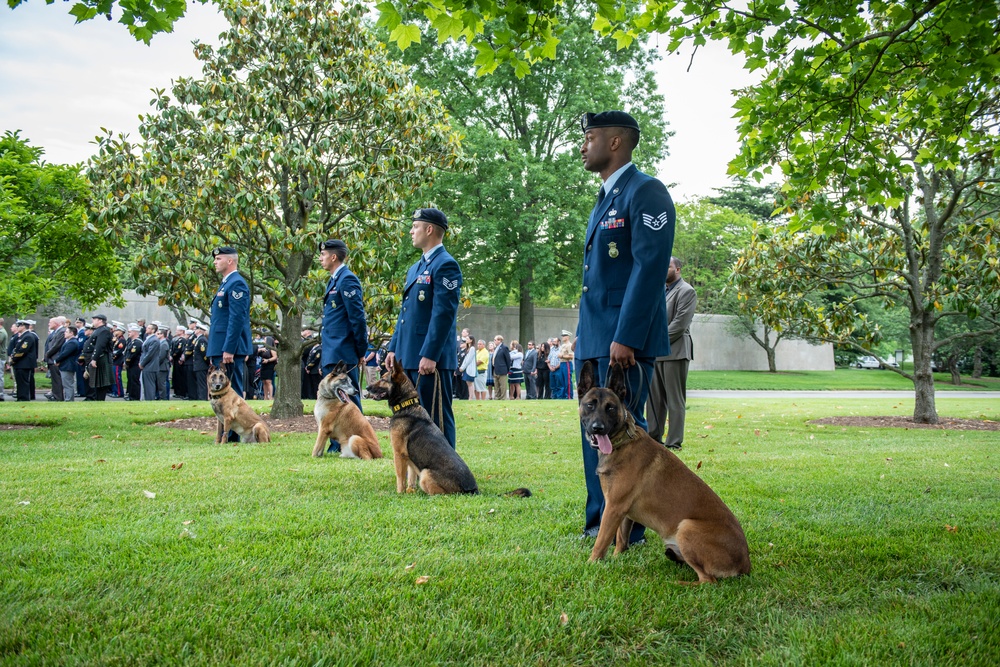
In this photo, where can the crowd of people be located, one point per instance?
(498, 371)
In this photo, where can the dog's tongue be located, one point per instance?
(603, 444)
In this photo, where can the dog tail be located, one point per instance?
(518, 493)
(261, 433)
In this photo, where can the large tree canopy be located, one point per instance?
(300, 129)
(520, 208)
(49, 246)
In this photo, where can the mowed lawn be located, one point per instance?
(869, 546)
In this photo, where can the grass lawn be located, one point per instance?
(869, 546)
(842, 378)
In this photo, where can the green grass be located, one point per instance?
(294, 560)
(842, 379)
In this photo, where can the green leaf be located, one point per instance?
(404, 35)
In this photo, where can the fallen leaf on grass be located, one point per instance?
(698, 466)
(410, 566)
(149, 494)
(703, 435)
(708, 426)
(756, 431)
(95, 437)
(24, 502)
(888, 458)
(563, 619)
(492, 510)
(73, 432)
(951, 529)
(100, 461)
(946, 465)
(422, 580)
(187, 523)
(202, 432)
(294, 469)
(177, 466)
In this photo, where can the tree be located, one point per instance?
(708, 240)
(301, 129)
(143, 18)
(519, 209)
(49, 246)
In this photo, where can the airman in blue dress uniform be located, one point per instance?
(623, 317)
(229, 340)
(344, 336)
(424, 341)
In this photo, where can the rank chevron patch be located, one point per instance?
(657, 223)
(450, 284)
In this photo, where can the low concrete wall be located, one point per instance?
(717, 349)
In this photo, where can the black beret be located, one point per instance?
(333, 244)
(223, 250)
(431, 215)
(608, 119)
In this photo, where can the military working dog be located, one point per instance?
(420, 452)
(645, 482)
(232, 411)
(338, 417)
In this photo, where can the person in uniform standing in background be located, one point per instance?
(627, 246)
(24, 360)
(133, 351)
(98, 358)
(424, 341)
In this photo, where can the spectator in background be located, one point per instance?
(516, 376)
(501, 368)
(482, 366)
(542, 371)
(556, 378)
(66, 361)
(530, 374)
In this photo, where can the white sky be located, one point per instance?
(61, 82)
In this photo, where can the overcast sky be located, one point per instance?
(60, 83)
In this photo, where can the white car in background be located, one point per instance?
(868, 362)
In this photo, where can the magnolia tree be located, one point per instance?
(299, 129)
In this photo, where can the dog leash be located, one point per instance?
(437, 402)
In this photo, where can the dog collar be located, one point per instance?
(626, 433)
(405, 404)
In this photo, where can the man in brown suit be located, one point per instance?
(668, 389)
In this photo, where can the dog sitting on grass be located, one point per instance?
(338, 417)
(232, 411)
(645, 482)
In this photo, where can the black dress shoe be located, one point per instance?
(675, 446)
(590, 533)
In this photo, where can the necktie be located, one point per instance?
(600, 195)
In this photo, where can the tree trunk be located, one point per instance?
(977, 363)
(956, 377)
(288, 394)
(922, 338)
(772, 367)
(526, 329)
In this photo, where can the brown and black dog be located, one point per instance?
(232, 411)
(645, 482)
(338, 417)
(419, 449)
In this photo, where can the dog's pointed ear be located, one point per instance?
(616, 381)
(586, 381)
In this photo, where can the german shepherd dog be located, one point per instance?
(645, 482)
(338, 417)
(419, 449)
(232, 411)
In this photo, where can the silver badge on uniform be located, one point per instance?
(421, 296)
(612, 250)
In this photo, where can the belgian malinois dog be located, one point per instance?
(338, 417)
(645, 482)
(419, 449)
(232, 411)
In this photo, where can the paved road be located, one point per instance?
(722, 393)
